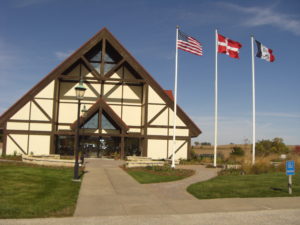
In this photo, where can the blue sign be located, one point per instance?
(290, 167)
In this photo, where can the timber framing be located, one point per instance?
(118, 88)
(99, 106)
(78, 55)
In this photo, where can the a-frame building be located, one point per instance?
(128, 112)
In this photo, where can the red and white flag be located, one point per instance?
(264, 53)
(228, 47)
(189, 44)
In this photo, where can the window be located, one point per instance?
(92, 123)
(106, 124)
(111, 58)
(94, 56)
(64, 145)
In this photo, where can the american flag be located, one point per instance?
(188, 44)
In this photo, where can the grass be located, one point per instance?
(245, 186)
(29, 191)
(146, 175)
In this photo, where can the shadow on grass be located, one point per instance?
(278, 189)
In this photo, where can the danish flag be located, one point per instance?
(228, 47)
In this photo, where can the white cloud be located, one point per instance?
(260, 16)
(62, 55)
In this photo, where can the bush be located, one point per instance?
(237, 151)
(267, 147)
(297, 150)
(193, 155)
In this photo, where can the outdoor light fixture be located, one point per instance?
(80, 90)
(84, 111)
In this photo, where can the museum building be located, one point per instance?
(124, 110)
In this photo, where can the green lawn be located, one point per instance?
(244, 186)
(34, 191)
(146, 175)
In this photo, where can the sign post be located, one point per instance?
(290, 170)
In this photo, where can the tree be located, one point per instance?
(196, 143)
(266, 147)
(206, 143)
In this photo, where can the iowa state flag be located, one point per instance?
(228, 46)
(264, 53)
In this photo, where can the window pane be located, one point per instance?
(64, 145)
(111, 55)
(108, 67)
(92, 123)
(96, 66)
(106, 124)
(97, 56)
(95, 53)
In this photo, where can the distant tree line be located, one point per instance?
(197, 143)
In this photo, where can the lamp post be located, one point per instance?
(80, 89)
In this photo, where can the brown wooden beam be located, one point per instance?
(42, 110)
(178, 149)
(91, 68)
(14, 141)
(114, 69)
(4, 139)
(122, 155)
(33, 132)
(157, 115)
(27, 121)
(54, 115)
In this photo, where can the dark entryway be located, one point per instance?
(100, 146)
(97, 146)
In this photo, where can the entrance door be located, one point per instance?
(132, 147)
(93, 146)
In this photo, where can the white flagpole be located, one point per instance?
(175, 101)
(216, 102)
(253, 101)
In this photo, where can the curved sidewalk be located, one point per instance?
(107, 190)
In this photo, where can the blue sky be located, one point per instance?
(36, 35)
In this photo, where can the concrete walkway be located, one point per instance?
(265, 217)
(107, 190)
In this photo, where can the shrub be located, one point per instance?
(193, 155)
(297, 150)
(231, 172)
(237, 151)
(267, 147)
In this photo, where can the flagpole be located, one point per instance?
(253, 101)
(175, 101)
(216, 101)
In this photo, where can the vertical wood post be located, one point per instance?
(122, 146)
(4, 139)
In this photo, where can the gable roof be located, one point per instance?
(102, 34)
(95, 108)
